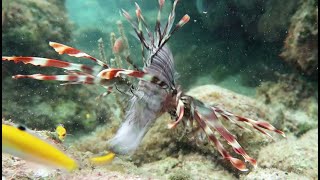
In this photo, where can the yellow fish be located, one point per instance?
(101, 160)
(61, 132)
(18, 142)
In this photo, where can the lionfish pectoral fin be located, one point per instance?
(75, 79)
(212, 138)
(45, 62)
(64, 49)
(255, 124)
(209, 116)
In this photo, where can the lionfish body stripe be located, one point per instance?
(155, 93)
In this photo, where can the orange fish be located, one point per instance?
(118, 46)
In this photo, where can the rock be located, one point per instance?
(191, 166)
(301, 45)
(28, 25)
(272, 174)
(293, 100)
(293, 155)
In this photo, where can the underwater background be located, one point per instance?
(256, 58)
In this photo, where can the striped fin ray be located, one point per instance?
(138, 14)
(210, 118)
(85, 79)
(69, 79)
(170, 21)
(255, 124)
(234, 161)
(45, 62)
(165, 36)
(182, 22)
(179, 112)
(111, 73)
(150, 35)
(136, 29)
(228, 118)
(157, 26)
(64, 49)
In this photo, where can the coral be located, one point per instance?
(301, 45)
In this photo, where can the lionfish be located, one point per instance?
(155, 93)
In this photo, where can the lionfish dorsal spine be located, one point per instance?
(159, 38)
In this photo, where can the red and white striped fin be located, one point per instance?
(182, 22)
(139, 17)
(261, 124)
(45, 62)
(170, 21)
(166, 38)
(255, 124)
(64, 49)
(157, 26)
(69, 79)
(151, 38)
(75, 72)
(229, 116)
(216, 110)
(180, 113)
(85, 79)
(212, 120)
(113, 73)
(237, 163)
(135, 28)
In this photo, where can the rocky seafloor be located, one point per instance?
(248, 46)
(170, 154)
